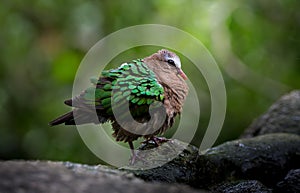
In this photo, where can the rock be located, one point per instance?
(282, 117)
(252, 186)
(291, 183)
(182, 169)
(265, 158)
(38, 176)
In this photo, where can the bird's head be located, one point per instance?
(171, 60)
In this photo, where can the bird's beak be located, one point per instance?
(182, 74)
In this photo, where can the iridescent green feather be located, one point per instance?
(133, 82)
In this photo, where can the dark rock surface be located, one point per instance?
(291, 183)
(56, 177)
(182, 169)
(282, 117)
(266, 158)
(252, 186)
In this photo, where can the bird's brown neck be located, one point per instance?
(175, 87)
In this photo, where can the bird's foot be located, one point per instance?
(156, 140)
(160, 140)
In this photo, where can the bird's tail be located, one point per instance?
(66, 118)
(82, 117)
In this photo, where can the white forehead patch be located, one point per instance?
(175, 59)
(177, 62)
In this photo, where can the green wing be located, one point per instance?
(132, 83)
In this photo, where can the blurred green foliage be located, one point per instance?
(256, 44)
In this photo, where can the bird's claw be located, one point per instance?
(156, 140)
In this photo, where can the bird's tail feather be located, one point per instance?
(82, 117)
(62, 119)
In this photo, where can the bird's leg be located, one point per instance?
(135, 156)
(133, 153)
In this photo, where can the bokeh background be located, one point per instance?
(255, 43)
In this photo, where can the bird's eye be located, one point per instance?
(171, 62)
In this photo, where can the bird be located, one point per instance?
(140, 98)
